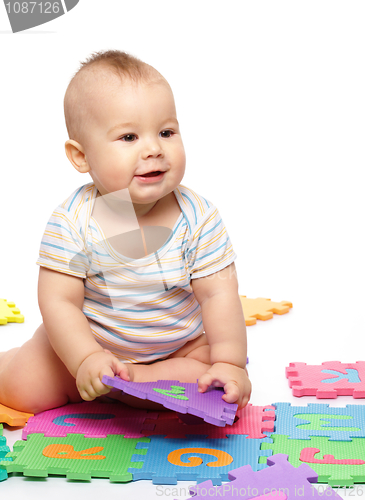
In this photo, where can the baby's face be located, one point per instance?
(132, 140)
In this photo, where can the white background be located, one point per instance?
(271, 103)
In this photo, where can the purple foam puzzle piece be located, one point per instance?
(92, 419)
(181, 397)
(280, 481)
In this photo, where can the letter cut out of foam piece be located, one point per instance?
(181, 397)
(252, 421)
(91, 419)
(336, 423)
(338, 463)
(9, 313)
(280, 481)
(4, 450)
(197, 458)
(262, 309)
(76, 457)
(12, 417)
(329, 380)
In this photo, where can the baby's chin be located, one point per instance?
(150, 194)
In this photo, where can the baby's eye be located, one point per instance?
(167, 133)
(129, 137)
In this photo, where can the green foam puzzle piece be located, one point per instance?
(76, 457)
(9, 313)
(338, 463)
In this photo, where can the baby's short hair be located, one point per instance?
(121, 64)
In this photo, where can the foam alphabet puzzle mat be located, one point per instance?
(338, 463)
(181, 397)
(85, 442)
(12, 417)
(262, 309)
(328, 380)
(170, 460)
(76, 457)
(92, 419)
(252, 421)
(280, 481)
(336, 423)
(9, 313)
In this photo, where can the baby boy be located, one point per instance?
(137, 275)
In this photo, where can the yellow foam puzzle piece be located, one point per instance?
(12, 417)
(9, 313)
(262, 309)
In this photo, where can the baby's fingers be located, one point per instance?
(120, 369)
(232, 392)
(93, 390)
(87, 393)
(99, 388)
(204, 382)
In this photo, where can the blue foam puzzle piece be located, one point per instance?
(279, 481)
(336, 423)
(170, 460)
(4, 450)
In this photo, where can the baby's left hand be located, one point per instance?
(233, 379)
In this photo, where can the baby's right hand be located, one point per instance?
(92, 370)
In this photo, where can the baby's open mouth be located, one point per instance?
(151, 174)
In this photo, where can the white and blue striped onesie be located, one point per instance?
(145, 309)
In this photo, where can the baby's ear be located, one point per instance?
(75, 153)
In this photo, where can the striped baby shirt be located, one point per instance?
(139, 309)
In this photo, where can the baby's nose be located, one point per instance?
(152, 149)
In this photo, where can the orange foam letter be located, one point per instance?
(67, 451)
(223, 458)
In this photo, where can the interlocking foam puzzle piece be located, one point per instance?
(328, 380)
(262, 309)
(4, 450)
(181, 397)
(12, 417)
(336, 423)
(279, 481)
(338, 463)
(9, 313)
(91, 419)
(171, 460)
(251, 421)
(76, 457)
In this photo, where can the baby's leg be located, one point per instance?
(185, 365)
(33, 378)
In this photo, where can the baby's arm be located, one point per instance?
(61, 298)
(225, 329)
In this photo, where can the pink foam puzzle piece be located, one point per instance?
(328, 380)
(91, 419)
(252, 421)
